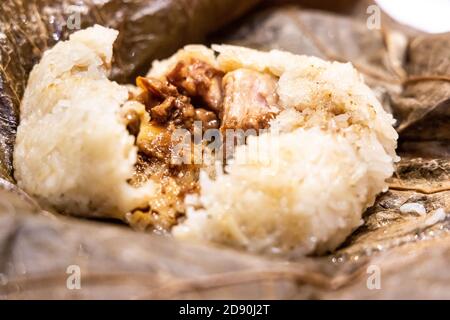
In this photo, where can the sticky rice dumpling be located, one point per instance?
(319, 148)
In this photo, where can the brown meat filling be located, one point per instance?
(200, 81)
(194, 91)
(250, 100)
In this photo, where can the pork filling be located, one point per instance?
(193, 93)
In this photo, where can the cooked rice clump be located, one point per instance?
(72, 150)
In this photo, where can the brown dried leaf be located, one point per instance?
(422, 175)
(423, 108)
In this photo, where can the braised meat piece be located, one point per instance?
(250, 100)
(200, 81)
(133, 121)
(208, 119)
(165, 104)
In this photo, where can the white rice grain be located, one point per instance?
(437, 216)
(413, 207)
